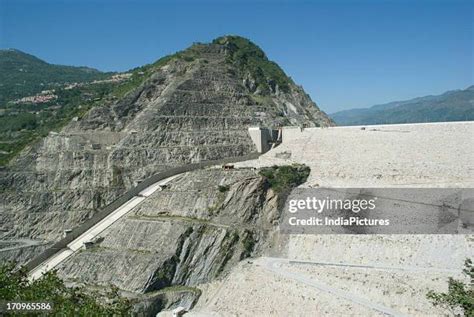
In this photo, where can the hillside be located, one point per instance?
(191, 106)
(195, 105)
(37, 113)
(22, 74)
(456, 105)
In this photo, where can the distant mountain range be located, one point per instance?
(455, 105)
(22, 74)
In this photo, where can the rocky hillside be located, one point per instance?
(456, 105)
(189, 233)
(194, 105)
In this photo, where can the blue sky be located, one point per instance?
(345, 54)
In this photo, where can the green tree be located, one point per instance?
(67, 301)
(460, 297)
(284, 178)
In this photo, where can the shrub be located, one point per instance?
(223, 188)
(283, 178)
(459, 296)
(15, 286)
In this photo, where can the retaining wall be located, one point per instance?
(263, 138)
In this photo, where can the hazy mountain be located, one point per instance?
(455, 105)
(22, 74)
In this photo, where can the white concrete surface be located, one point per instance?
(50, 264)
(93, 232)
(153, 188)
(279, 287)
(256, 136)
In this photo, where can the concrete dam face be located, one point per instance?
(265, 138)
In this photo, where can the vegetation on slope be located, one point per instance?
(21, 124)
(284, 178)
(460, 297)
(142, 73)
(251, 60)
(15, 286)
(23, 75)
(139, 76)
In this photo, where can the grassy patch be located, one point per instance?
(21, 125)
(68, 301)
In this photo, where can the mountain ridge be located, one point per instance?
(452, 105)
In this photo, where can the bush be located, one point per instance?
(18, 122)
(284, 178)
(223, 188)
(15, 286)
(459, 296)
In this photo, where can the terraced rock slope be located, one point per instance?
(189, 233)
(194, 105)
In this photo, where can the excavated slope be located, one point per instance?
(196, 106)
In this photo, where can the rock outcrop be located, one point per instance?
(187, 234)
